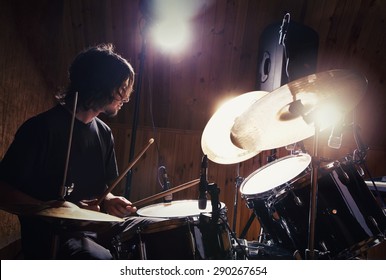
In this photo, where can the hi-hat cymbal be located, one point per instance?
(275, 121)
(216, 142)
(73, 212)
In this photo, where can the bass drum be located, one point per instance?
(187, 233)
(348, 219)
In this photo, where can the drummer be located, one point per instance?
(32, 171)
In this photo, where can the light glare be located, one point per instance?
(171, 29)
(328, 115)
(171, 34)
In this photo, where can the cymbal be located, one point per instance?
(286, 115)
(216, 142)
(73, 212)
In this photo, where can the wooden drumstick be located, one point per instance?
(115, 183)
(164, 193)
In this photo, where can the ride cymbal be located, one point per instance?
(286, 115)
(216, 142)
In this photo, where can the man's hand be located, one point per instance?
(118, 206)
(91, 204)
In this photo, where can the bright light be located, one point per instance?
(327, 115)
(171, 34)
(171, 26)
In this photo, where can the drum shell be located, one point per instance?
(196, 236)
(348, 220)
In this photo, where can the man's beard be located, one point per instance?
(111, 113)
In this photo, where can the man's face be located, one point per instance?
(121, 96)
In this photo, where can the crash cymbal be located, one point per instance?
(73, 212)
(287, 114)
(216, 142)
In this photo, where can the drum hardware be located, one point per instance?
(339, 233)
(66, 190)
(214, 191)
(374, 222)
(252, 217)
(253, 250)
(345, 175)
(203, 186)
(165, 184)
(238, 181)
(379, 187)
(291, 111)
(358, 157)
(297, 108)
(192, 233)
(142, 247)
(297, 200)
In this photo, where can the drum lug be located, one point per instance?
(375, 224)
(337, 164)
(297, 199)
(360, 171)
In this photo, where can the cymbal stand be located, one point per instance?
(238, 183)
(64, 190)
(296, 107)
(310, 252)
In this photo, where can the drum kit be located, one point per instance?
(308, 207)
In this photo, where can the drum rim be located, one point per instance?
(179, 202)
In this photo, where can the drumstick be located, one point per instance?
(164, 193)
(115, 183)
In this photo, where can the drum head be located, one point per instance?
(175, 209)
(275, 174)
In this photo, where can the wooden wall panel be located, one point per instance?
(23, 93)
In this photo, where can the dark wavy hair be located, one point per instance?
(95, 74)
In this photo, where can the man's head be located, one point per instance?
(102, 78)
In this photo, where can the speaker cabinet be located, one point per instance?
(301, 48)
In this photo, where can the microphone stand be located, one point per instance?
(238, 183)
(214, 191)
(134, 129)
(209, 225)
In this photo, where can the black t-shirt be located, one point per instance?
(35, 161)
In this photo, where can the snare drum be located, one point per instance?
(176, 209)
(187, 233)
